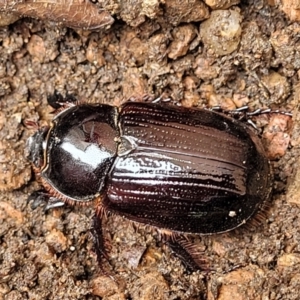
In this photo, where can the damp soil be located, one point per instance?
(164, 51)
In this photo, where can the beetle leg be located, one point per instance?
(100, 245)
(53, 203)
(40, 198)
(243, 113)
(57, 100)
(187, 252)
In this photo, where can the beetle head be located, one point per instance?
(35, 147)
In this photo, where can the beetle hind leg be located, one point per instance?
(257, 221)
(187, 252)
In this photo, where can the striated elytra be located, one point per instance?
(181, 170)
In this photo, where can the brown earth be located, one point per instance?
(246, 54)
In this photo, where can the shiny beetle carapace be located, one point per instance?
(181, 170)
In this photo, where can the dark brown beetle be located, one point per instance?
(180, 170)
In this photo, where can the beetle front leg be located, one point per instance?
(57, 101)
(40, 198)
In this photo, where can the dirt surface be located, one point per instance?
(246, 54)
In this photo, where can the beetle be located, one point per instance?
(180, 170)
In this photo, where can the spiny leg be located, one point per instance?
(100, 243)
(187, 252)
